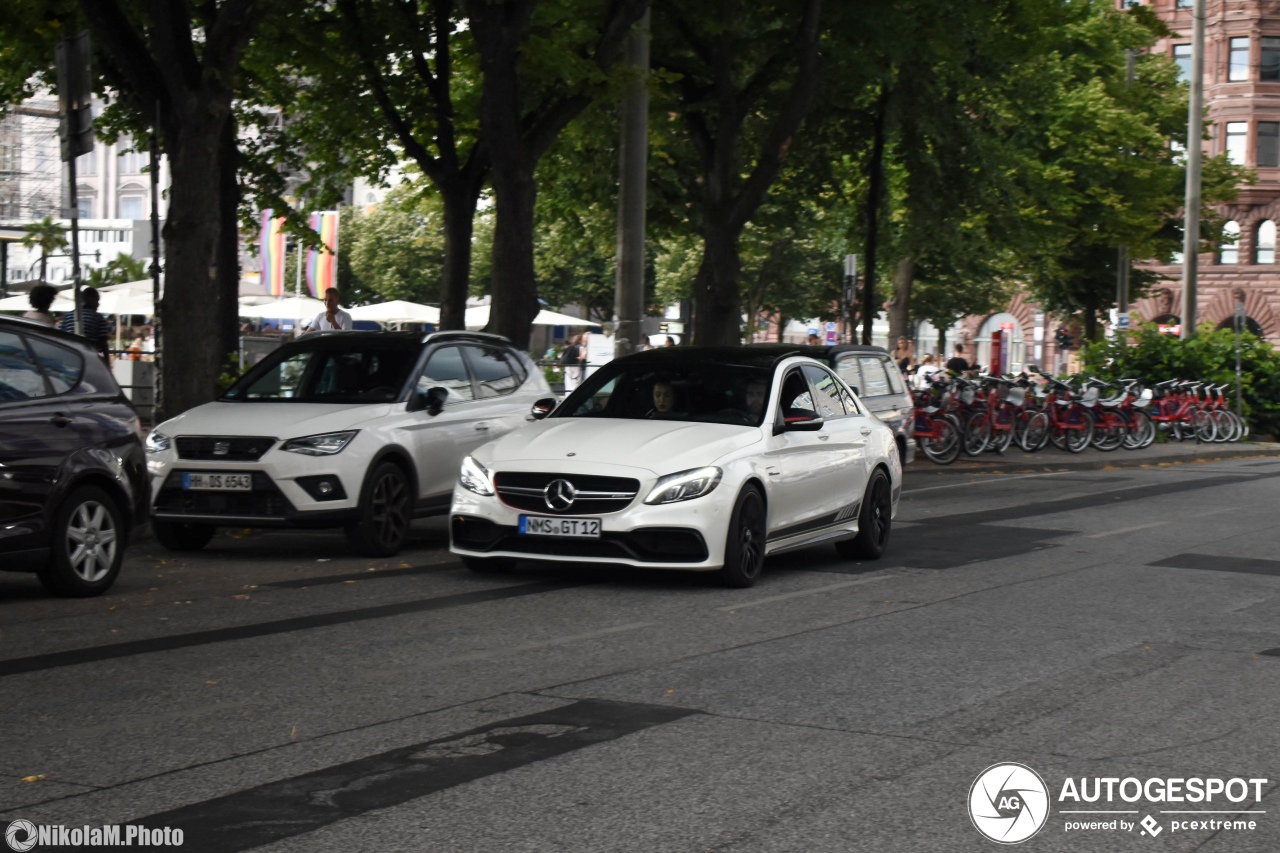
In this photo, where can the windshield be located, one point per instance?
(702, 393)
(368, 372)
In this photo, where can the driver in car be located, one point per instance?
(664, 399)
(757, 393)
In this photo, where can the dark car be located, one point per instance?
(73, 479)
(877, 381)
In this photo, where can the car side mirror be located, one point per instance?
(798, 424)
(542, 408)
(856, 391)
(432, 402)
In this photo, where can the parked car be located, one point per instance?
(876, 379)
(73, 482)
(699, 458)
(359, 430)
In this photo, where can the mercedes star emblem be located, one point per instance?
(559, 495)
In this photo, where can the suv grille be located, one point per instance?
(592, 495)
(223, 447)
(265, 501)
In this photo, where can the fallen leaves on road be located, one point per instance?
(211, 683)
(405, 566)
(293, 733)
(241, 596)
(38, 778)
(348, 581)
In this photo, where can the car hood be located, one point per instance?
(656, 446)
(279, 420)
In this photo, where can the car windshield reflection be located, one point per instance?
(689, 392)
(369, 373)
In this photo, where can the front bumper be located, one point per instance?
(688, 535)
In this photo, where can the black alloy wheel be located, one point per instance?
(384, 512)
(875, 522)
(744, 547)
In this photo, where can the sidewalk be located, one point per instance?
(1016, 461)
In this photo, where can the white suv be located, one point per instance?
(360, 430)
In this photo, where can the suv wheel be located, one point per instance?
(88, 545)
(384, 512)
(181, 535)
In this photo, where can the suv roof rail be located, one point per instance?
(464, 334)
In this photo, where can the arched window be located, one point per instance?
(1266, 245)
(1229, 251)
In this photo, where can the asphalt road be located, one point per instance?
(275, 692)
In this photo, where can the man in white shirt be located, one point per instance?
(332, 318)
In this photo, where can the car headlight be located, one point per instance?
(475, 477)
(325, 444)
(684, 486)
(158, 442)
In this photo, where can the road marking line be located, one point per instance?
(989, 480)
(543, 644)
(1126, 530)
(798, 593)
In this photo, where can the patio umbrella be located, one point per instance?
(21, 303)
(396, 311)
(293, 308)
(478, 317)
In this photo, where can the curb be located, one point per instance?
(1151, 457)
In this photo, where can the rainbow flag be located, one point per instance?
(322, 264)
(272, 251)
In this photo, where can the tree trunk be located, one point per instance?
(1090, 317)
(514, 288)
(192, 307)
(716, 300)
(455, 275)
(904, 276)
(874, 192)
(782, 325)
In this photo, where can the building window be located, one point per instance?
(131, 162)
(1182, 59)
(1185, 4)
(1229, 251)
(1270, 69)
(1269, 143)
(86, 164)
(1239, 67)
(130, 207)
(1265, 253)
(85, 207)
(1237, 140)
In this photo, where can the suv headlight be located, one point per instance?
(475, 477)
(158, 442)
(324, 444)
(684, 486)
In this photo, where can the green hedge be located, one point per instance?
(1209, 356)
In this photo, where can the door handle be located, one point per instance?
(866, 430)
(823, 437)
(773, 471)
(482, 427)
(60, 420)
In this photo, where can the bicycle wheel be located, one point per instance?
(1079, 436)
(1036, 433)
(1142, 431)
(1109, 431)
(977, 432)
(943, 447)
(1205, 428)
(1224, 425)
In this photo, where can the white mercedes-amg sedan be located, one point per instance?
(694, 458)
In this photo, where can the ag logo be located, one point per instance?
(21, 835)
(1008, 803)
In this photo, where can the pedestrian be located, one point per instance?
(148, 343)
(670, 342)
(92, 325)
(332, 318)
(814, 341)
(958, 363)
(905, 355)
(41, 297)
(572, 360)
(926, 371)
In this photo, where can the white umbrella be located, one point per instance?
(293, 308)
(396, 311)
(21, 303)
(477, 318)
(126, 302)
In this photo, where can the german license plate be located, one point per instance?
(571, 528)
(218, 482)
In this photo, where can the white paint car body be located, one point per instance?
(813, 482)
